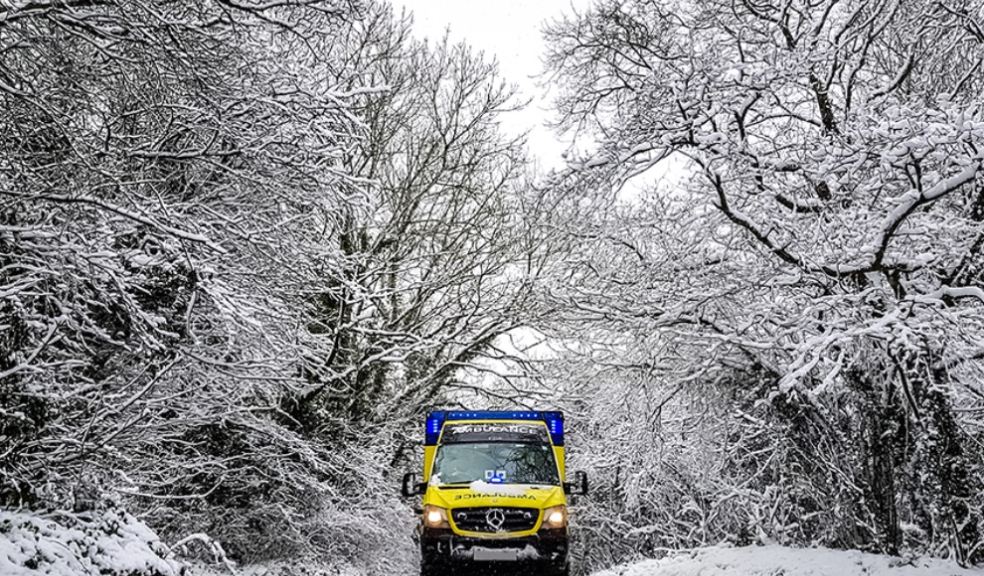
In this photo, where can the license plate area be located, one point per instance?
(495, 555)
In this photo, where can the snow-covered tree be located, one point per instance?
(817, 266)
(241, 243)
(169, 184)
(428, 281)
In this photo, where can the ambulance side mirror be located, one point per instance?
(411, 487)
(579, 486)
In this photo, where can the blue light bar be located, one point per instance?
(555, 423)
(436, 420)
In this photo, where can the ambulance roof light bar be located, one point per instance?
(436, 420)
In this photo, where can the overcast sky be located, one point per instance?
(509, 30)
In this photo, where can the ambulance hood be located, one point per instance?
(484, 494)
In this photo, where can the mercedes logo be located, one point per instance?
(495, 518)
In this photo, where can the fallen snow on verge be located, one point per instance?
(111, 543)
(781, 561)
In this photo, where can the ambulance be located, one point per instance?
(495, 492)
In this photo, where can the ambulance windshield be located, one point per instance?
(496, 463)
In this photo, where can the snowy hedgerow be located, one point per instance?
(110, 543)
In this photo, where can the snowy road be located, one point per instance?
(781, 561)
(64, 544)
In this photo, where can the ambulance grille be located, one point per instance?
(488, 519)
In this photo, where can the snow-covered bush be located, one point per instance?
(107, 543)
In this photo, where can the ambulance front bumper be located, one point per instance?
(444, 547)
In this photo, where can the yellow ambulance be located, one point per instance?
(495, 492)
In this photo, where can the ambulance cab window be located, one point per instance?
(496, 463)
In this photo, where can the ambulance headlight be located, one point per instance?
(555, 517)
(435, 517)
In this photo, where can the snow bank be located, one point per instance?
(111, 543)
(777, 560)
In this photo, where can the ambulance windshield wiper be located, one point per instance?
(455, 485)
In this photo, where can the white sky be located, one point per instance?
(509, 31)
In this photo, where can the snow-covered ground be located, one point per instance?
(110, 543)
(114, 543)
(780, 561)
